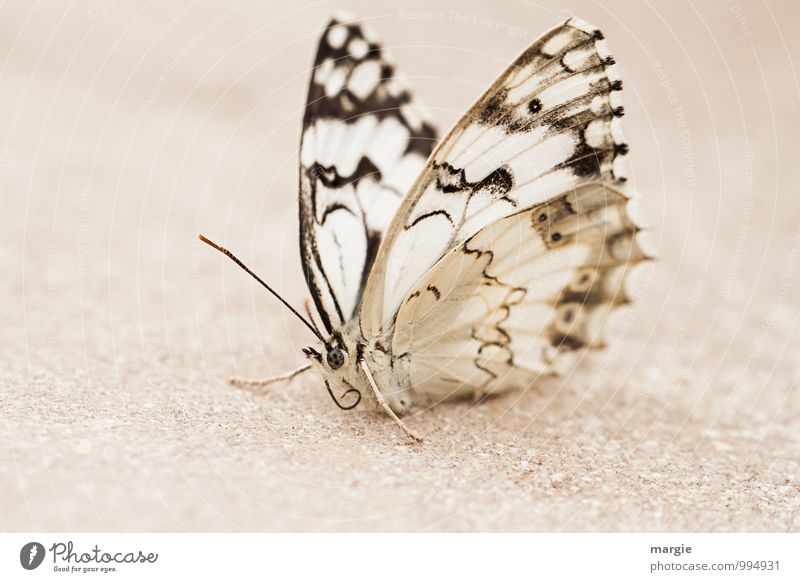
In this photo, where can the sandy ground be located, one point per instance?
(131, 126)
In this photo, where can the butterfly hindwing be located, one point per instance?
(549, 124)
(516, 299)
(364, 140)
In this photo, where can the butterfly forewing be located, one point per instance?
(365, 139)
(547, 125)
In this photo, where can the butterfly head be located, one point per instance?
(337, 361)
(328, 360)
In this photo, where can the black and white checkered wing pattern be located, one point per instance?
(548, 124)
(365, 139)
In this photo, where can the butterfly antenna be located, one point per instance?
(232, 257)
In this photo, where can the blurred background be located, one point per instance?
(129, 127)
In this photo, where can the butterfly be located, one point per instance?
(468, 265)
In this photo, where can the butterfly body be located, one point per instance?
(350, 389)
(345, 381)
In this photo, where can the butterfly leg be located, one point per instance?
(382, 401)
(259, 386)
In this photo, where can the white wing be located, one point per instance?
(547, 125)
(364, 140)
(514, 300)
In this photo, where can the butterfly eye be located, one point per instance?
(335, 358)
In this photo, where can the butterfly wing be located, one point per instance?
(519, 297)
(548, 124)
(364, 140)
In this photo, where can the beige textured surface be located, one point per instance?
(131, 126)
